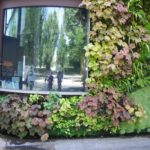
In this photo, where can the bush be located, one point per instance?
(52, 102)
(54, 116)
(70, 121)
(142, 98)
(20, 118)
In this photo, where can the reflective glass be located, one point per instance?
(43, 49)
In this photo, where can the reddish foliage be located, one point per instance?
(108, 103)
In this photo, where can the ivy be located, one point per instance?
(117, 58)
(116, 39)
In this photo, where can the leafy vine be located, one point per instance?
(116, 41)
(116, 60)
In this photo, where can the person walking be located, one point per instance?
(50, 81)
(59, 80)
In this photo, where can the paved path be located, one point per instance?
(130, 143)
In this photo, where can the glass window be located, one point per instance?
(11, 22)
(43, 49)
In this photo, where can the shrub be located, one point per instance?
(71, 121)
(52, 102)
(35, 99)
(66, 117)
(19, 118)
(118, 56)
(142, 99)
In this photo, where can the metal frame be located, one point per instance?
(42, 92)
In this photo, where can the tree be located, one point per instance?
(75, 30)
(62, 50)
(50, 37)
(31, 34)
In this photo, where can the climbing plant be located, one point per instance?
(117, 45)
(117, 54)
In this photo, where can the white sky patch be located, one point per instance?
(60, 14)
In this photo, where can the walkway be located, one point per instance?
(130, 143)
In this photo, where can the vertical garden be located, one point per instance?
(117, 99)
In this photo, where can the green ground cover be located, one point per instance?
(142, 98)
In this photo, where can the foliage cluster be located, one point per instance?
(142, 98)
(55, 116)
(52, 115)
(52, 102)
(118, 47)
(21, 118)
(111, 104)
(118, 56)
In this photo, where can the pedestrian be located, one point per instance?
(30, 79)
(59, 80)
(50, 81)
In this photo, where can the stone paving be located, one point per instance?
(122, 143)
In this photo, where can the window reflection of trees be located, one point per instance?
(52, 39)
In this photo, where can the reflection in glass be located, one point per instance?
(43, 49)
(11, 22)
